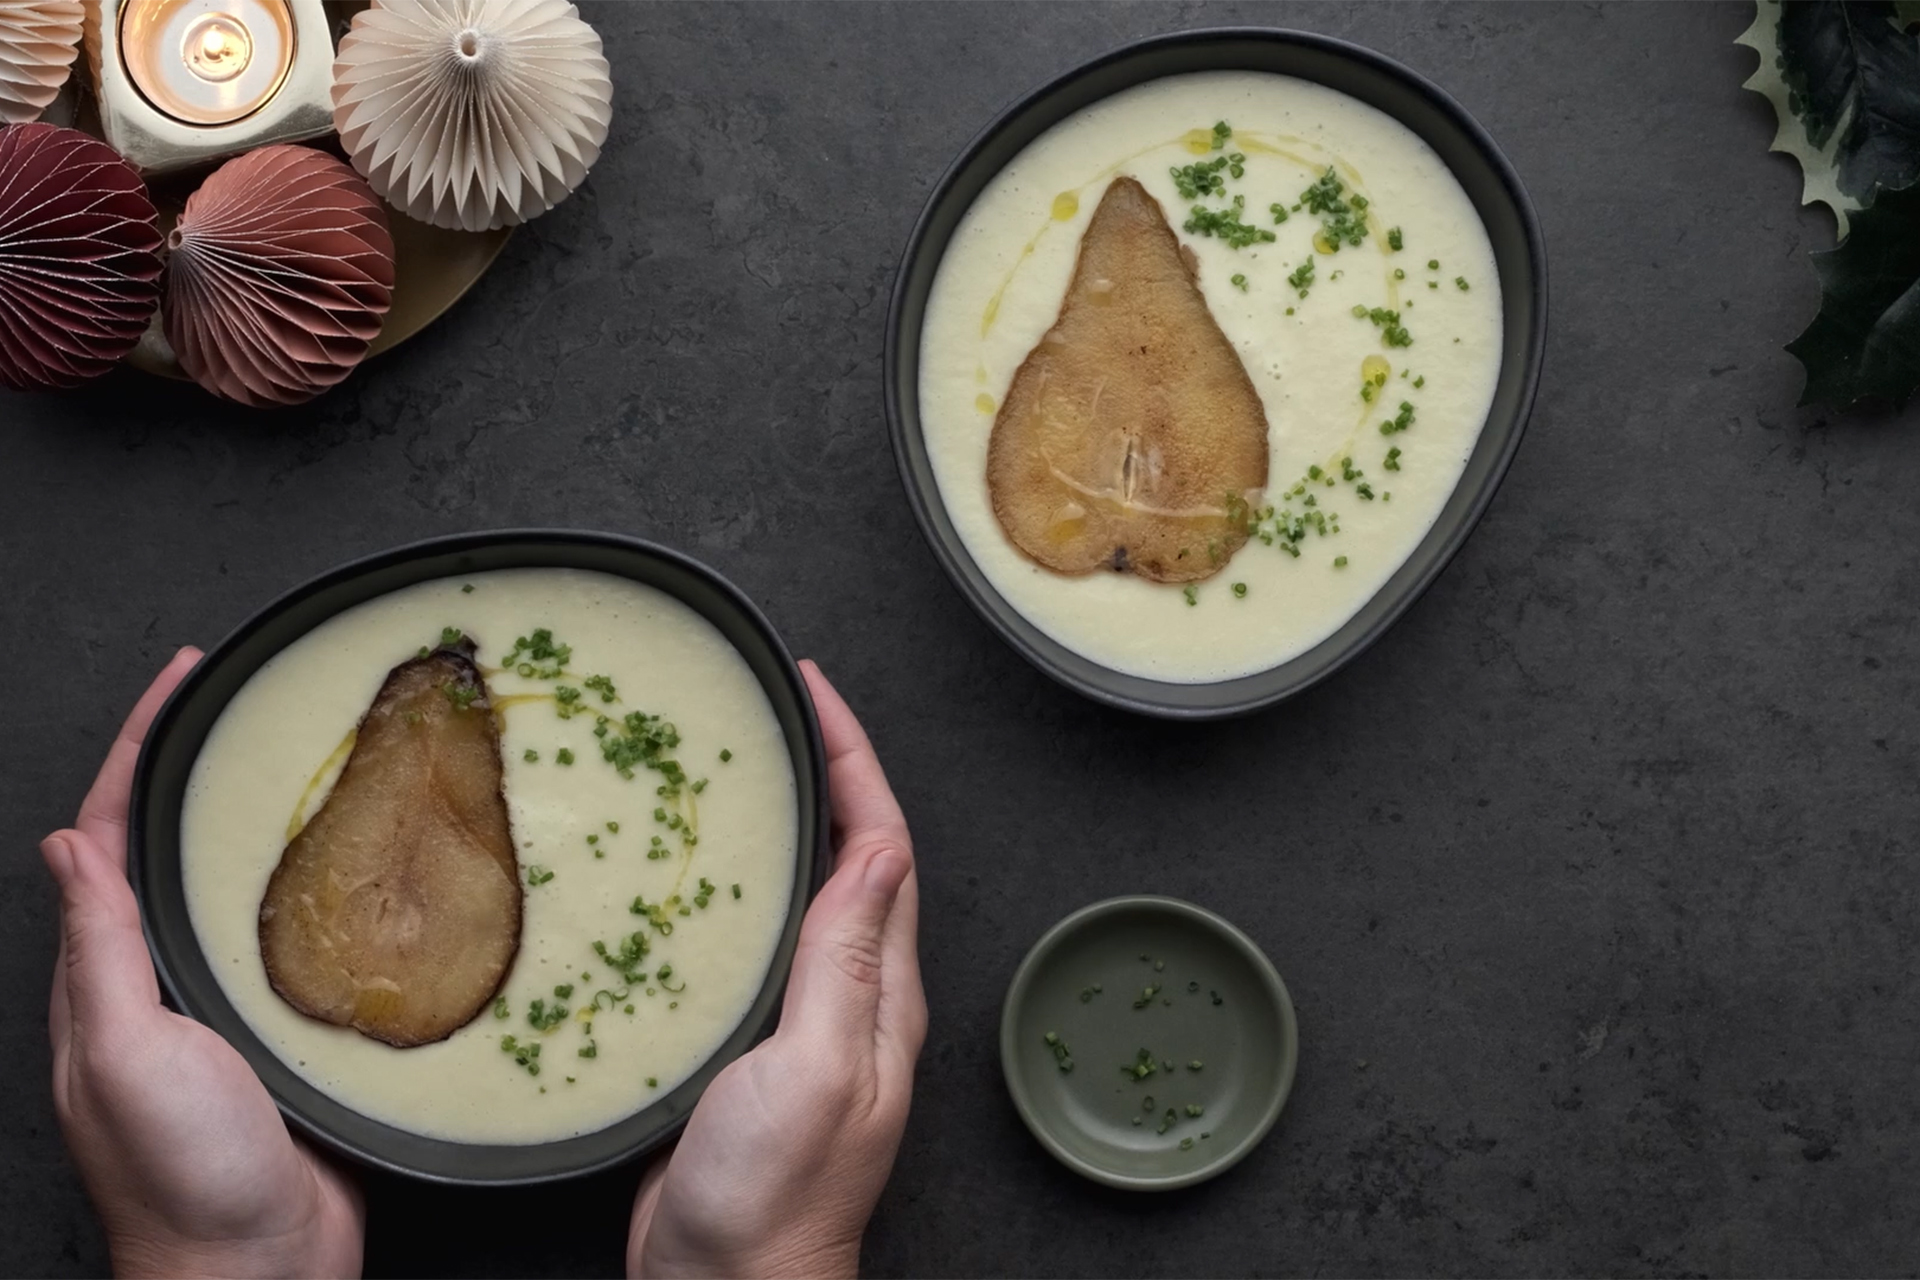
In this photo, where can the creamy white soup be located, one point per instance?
(701, 881)
(1375, 361)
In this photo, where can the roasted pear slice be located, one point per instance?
(396, 910)
(1131, 438)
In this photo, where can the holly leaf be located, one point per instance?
(1865, 343)
(1844, 80)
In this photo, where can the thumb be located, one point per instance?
(107, 973)
(835, 989)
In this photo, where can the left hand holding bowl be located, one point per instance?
(186, 1158)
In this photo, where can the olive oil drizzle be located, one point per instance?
(326, 774)
(1196, 142)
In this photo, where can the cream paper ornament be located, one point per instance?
(472, 114)
(38, 41)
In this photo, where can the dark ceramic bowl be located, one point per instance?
(174, 741)
(1519, 253)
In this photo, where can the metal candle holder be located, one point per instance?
(180, 82)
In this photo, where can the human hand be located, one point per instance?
(786, 1153)
(188, 1163)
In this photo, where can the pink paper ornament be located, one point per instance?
(79, 260)
(280, 275)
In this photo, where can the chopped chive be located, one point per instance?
(531, 756)
(563, 756)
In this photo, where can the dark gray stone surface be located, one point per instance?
(1594, 881)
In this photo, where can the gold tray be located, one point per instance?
(432, 267)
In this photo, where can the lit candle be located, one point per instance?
(207, 62)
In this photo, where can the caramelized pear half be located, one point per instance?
(1131, 438)
(396, 910)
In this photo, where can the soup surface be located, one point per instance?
(1348, 269)
(702, 881)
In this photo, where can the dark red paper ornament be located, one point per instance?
(79, 260)
(280, 275)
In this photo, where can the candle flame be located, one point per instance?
(222, 49)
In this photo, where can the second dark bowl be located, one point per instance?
(1519, 253)
(174, 741)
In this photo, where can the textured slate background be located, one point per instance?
(1593, 881)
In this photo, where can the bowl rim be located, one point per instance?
(1042, 651)
(1090, 916)
(813, 850)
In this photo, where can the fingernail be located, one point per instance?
(886, 872)
(59, 856)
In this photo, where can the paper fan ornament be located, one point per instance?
(38, 41)
(79, 257)
(473, 114)
(280, 274)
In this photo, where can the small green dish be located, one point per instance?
(1168, 980)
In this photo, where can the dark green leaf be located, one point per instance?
(1853, 76)
(1865, 343)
